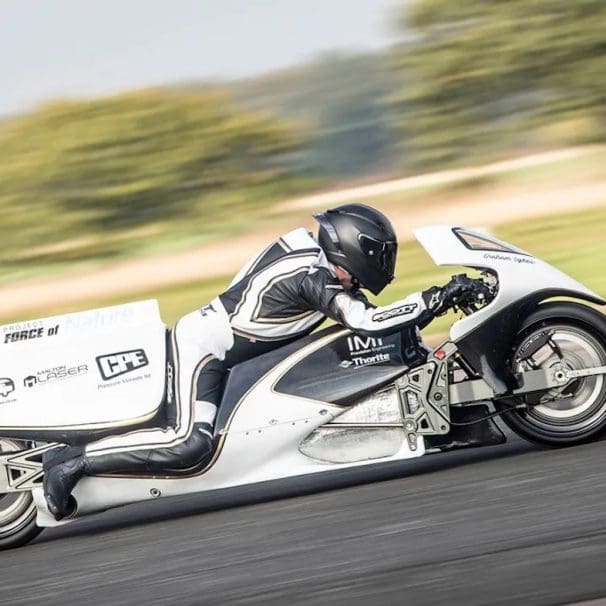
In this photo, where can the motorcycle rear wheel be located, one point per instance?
(574, 337)
(17, 510)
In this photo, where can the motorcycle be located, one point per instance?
(329, 401)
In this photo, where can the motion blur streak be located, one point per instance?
(509, 525)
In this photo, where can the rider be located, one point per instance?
(279, 296)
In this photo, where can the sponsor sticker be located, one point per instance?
(403, 310)
(358, 344)
(120, 363)
(98, 319)
(30, 381)
(7, 386)
(29, 333)
(520, 259)
(366, 360)
(22, 326)
(52, 375)
(364, 351)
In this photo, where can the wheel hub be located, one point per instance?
(567, 350)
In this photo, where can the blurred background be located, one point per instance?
(148, 149)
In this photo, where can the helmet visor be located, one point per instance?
(383, 253)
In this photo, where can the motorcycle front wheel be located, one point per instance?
(17, 510)
(569, 336)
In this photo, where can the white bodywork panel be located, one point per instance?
(261, 443)
(520, 274)
(263, 436)
(92, 369)
(334, 443)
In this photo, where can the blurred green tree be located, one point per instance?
(94, 168)
(482, 74)
(341, 99)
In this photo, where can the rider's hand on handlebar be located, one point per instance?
(440, 299)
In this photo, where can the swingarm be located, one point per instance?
(531, 381)
(427, 392)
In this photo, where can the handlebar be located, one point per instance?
(483, 292)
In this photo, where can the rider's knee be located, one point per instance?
(192, 451)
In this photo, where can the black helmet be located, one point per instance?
(361, 240)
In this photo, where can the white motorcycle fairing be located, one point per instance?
(261, 437)
(91, 371)
(523, 282)
(269, 420)
(521, 276)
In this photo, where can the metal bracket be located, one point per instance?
(21, 471)
(424, 396)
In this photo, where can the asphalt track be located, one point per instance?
(504, 525)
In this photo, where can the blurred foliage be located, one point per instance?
(156, 170)
(572, 242)
(89, 178)
(484, 76)
(341, 98)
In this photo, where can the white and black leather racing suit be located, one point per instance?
(281, 295)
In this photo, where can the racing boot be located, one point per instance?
(63, 475)
(59, 454)
(58, 483)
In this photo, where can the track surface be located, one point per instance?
(504, 525)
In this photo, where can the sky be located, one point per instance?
(79, 48)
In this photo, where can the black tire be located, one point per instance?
(577, 413)
(17, 510)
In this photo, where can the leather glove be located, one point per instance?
(439, 299)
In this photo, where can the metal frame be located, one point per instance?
(424, 396)
(21, 471)
(424, 393)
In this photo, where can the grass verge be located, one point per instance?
(574, 243)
